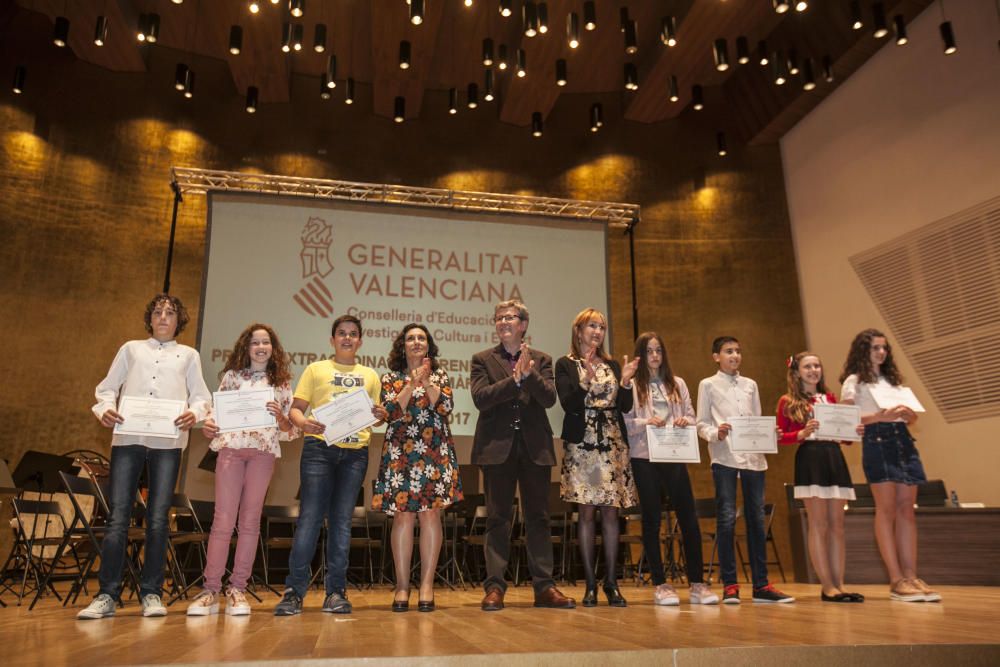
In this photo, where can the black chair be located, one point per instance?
(277, 531)
(705, 509)
(35, 547)
(769, 540)
(186, 537)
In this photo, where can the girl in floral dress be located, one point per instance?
(418, 475)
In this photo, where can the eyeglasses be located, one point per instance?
(506, 318)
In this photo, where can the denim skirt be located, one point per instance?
(889, 455)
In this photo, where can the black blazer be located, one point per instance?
(495, 394)
(571, 396)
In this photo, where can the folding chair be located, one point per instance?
(276, 532)
(768, 539)
(39, 527)
(186, 535)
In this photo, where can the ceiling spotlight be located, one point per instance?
(631, 38)
(780, 69)
(720, 53)
(623, 18)
(101, 30)
(828, 69)
(672, 90)
(404, 55)
(152, 28)
(780, 6)
(631, 77)
(762, 57)
(472, 96)
(521, 60)
(416, 12)
(296, 7)
(60, 31)
(720, 143)
(487, 52)
(596, 116)
(793, 62)
(319, 38)
(488, 85)
(20, 72)
(668, 30)
(948, 38)
(254, 7)
(252, 94)
(801, 5)
(140, 33)
(543, 17)
(468, 3)
(180, 76)
(453, 101)
(742, 50)
(324, 86)
(504, 8)
(349, 92)
(399, 109)
(561, 72)
(881, 28)
(899, 25)
(536, 124)
(856, 21)
(589, 15)
(235, 40)
(286, 37)
(573, 29)
(808, 77)
(297, 31)
(331, 71)
(274, 2)
(178, 2)
(189, 84)
(529, 18)
(502, 57)
(697, 98)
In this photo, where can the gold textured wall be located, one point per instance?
(85, 211)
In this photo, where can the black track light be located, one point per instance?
(298, 30)
(296, 7)
(235, 40)
(472, 96)
(879, 25)
(793, 62)
(319, 38)
(561, 78)
(189, 84)
(404, 55)
(808, 76)
(101, 31)
(589, 15)
(324, 86)
(720, 144)
(399, 109)
(631, 77)
(20, 73)
(416, 12)
(520, 63)
(631, 38)
(487, 52)
(623, 18)
(286, 37)
(673, 91)
(180, 76)
(505, 8)
(488, 87)
(596, 116)
(779, 67)
(349, 91)
(742, 50)
(536, 124)
(543, 17)
(857, 22)
(948, 38)
(502, 57)
(152, 28)
(720, 52)
(529, 18)
(697, 98)
(331, 71)
(828, 69)
(668, 30)
(780, 6)
(453, 101)
(60, 31)
(573, 30)
(762, 56)
(899, 26)
(252, 95)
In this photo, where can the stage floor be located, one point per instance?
(963, 629)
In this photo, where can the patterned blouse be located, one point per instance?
(264, 439)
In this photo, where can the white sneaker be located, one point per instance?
(206, 604)
(152, 605)
(236, 603)
(665, 596)
(702, 594)
(102, 606)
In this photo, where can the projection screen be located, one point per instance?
(296, 265)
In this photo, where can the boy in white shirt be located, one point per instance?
(724, 395)
(158, 368)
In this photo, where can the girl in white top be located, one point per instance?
(243, 470)
(890, 460)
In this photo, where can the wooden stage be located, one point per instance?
(961, 630)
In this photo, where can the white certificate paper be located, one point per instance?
(149, 416)
(753, 435)
(345, 415)
(243, 409)
(836, 422)
(673, 444)
(887, 396)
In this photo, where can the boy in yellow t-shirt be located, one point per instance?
(330, 473)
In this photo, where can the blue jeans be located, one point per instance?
(127, 463)
(752, 482)
(330, 478)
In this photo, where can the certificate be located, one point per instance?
(345, 415)
(243, 409)
(673, 444)
(149, 416)
(887, 396)
(753, 435)
(836, 422)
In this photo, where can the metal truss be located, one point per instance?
(201, 181)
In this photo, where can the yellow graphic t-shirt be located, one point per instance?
(322, 381)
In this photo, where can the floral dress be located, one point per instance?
(419, 470)
(597, 471)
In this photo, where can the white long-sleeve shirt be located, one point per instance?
(720, 397)
(151, 369)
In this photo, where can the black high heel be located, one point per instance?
(401, 605)
(425, 605)
(589, 597)
(615, 598)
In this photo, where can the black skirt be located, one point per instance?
(821, 471)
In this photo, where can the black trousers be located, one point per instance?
(501, 481)
(651, 479)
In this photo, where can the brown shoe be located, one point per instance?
(551, 598)
(493, 600)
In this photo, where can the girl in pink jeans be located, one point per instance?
(243, 470)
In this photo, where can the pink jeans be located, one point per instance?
(241, 479)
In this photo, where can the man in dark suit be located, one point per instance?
(512, 385)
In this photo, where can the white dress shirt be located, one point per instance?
(720, 397)
(151, 369)
(860, 394)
